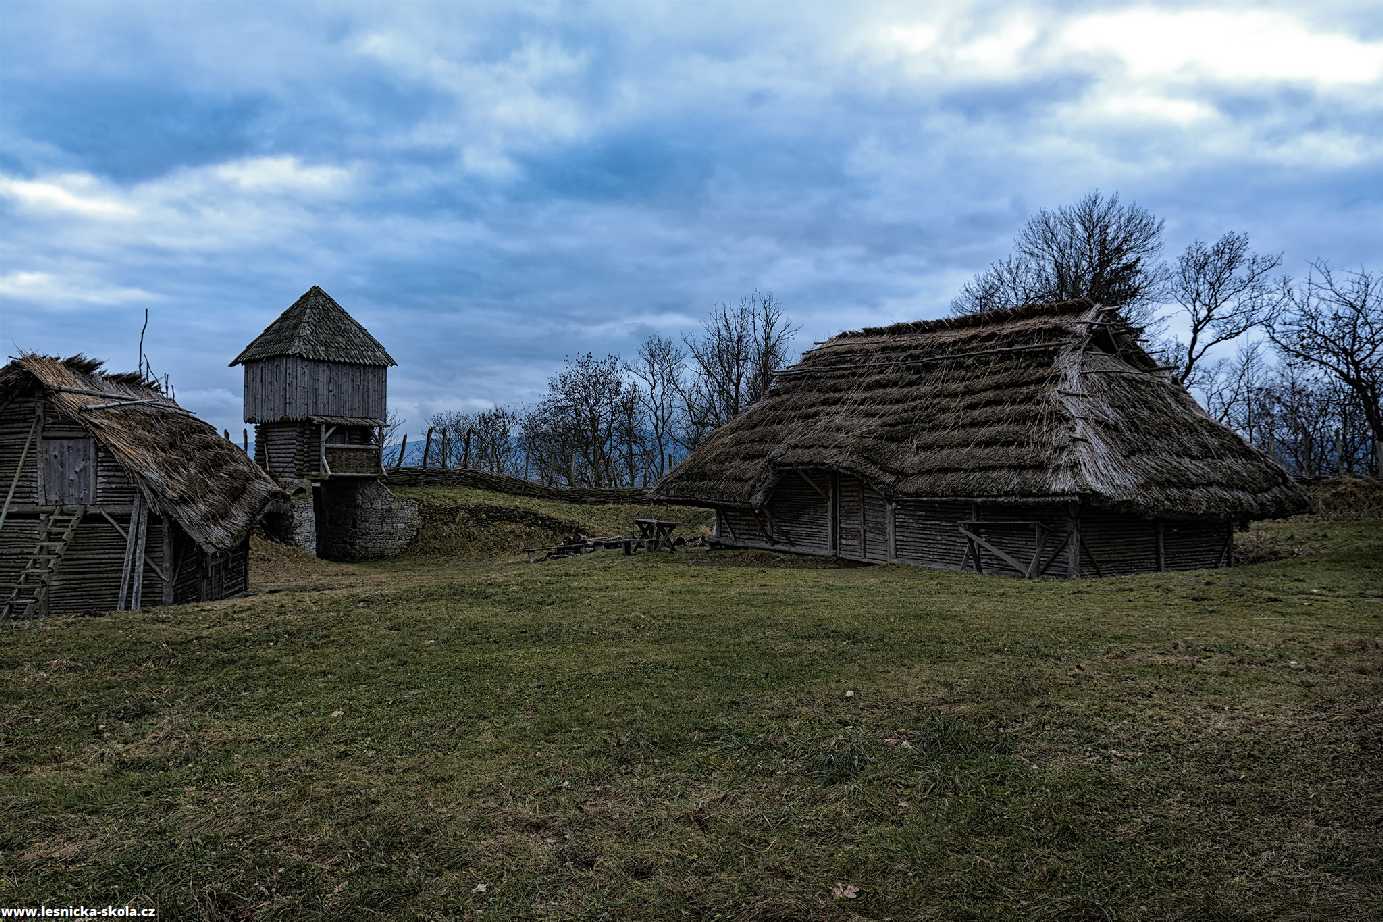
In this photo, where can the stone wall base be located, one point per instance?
(362, 520)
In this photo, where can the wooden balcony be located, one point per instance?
(350, 461)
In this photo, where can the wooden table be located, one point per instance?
(656, 533)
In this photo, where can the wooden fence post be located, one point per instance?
(403, 450)
(245, 440)
(427, 447)
(466, 450)
(446, 451)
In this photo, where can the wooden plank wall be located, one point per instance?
(801, 516)
(849, 494)
(288, 387)
(1197, 544)
(926, 532)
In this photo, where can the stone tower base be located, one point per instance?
(362, 520)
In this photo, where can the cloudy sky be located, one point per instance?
(490, 190)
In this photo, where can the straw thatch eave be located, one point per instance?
(181, 465)
(1052, 402)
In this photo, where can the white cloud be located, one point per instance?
(71, 193)
(51, 290)
(1229, 46)
(282, 174)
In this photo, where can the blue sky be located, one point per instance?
(489, 190)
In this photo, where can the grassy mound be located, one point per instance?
(473, 523)
(1348, 499)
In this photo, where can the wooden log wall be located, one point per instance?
(288, 387)
(288, 451)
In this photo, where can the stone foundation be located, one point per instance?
(294, 520)
(362, 520)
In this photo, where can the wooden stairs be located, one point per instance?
(25, 597)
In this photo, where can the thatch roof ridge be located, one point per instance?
(1042, 401)
(316, 327)
(969, 321)
(184, 468)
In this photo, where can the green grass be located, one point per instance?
(713, 735)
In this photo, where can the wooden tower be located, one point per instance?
(316, 385)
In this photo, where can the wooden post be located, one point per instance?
(141, 534)
(1161, 548)
(1075, 545)
(245, 440)
(126, 572)
(466, 451)
(226, 433)
(427, 447)
(170, 570)
(446, 450)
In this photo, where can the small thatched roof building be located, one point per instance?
(114, 495)
(1037, 440)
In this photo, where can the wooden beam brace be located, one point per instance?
(1091, 557)
(153, 566)
(812, 483)
(1039, 539)
(1056, 552)
(1002, 555)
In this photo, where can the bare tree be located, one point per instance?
(1335, 323)
(657, 373)
(1224, 290)
(575, 434)
(733, 361)
(1098, 248)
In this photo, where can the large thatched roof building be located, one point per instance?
(113, 496)
(1040, 440)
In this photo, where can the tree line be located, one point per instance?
(604, 421)
(1303, 384)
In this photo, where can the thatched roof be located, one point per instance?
(184, 468)
(1037, 402)
(316, 327)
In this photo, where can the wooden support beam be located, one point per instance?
(23, 456)
(141, 540)
(1161, 547)
(1056, 552)
(1091, 557)
(1039, 540)
(167, 530)
(1074, 542)
(812, 483)
(126, 572)
(125, 403)
(427, 447)
(1002, 555)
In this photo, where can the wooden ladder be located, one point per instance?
(30, 589)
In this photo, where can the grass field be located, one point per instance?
(711, 735)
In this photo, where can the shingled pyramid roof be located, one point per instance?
(316, 327)
(1040, 402)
